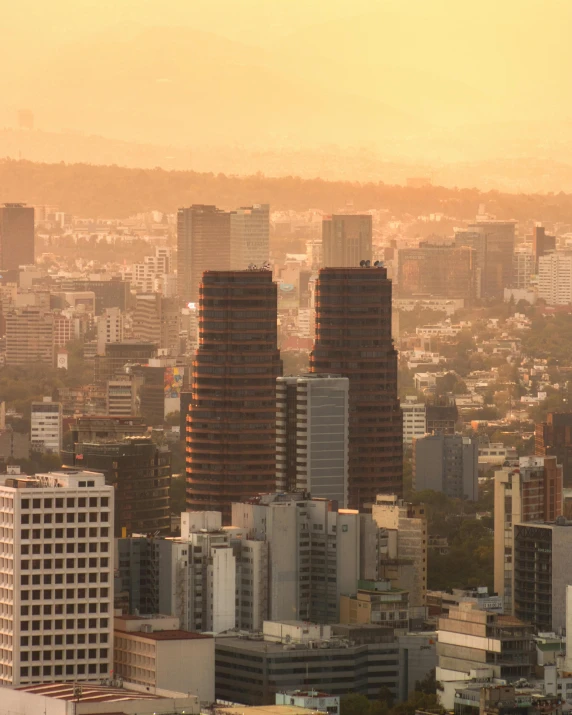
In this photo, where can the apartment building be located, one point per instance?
(29, 336)
(554, 438)
(414, 419)
(110, 328)
(197, 575)
(313, 553)
(541, 573)
(475, 643)
(555, 278)
(394, 543)
(191, 577)
(527, 493)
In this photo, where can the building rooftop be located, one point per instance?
(169, 635)
(257, 645)
(506, 620)
(89, 693)
(266, 710)
(72, 479)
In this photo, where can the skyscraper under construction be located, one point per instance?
(231, 421)
(353, 339)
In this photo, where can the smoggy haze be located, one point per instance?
(435, 81)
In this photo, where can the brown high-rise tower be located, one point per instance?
(231, 423)
(16, 236)
(353, 339)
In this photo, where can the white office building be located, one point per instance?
(56, 570)
(312, 435)
(555, 278)
(46, 426)
(414, 419)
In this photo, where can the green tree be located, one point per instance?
(354, 704)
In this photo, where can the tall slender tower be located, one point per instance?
(353, 339)
(231, 422)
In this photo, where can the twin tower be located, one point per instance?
(231, 420)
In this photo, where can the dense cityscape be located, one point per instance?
(286, 357)
(285, 458)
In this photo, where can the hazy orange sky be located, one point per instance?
(401, 74)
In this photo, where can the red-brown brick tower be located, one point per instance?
(353, 339)
(231, 423)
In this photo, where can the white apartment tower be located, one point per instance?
(56, 572)
(198, 574)
(249, 236)
(312, 436)
(555, 278)
(109, 329)
(313, 553)
(152, 273)
(46, 425)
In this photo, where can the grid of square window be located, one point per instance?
(61, 598)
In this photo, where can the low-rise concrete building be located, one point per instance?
(376, 602)
(154, 653)
(253, 669)
(310, 700)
